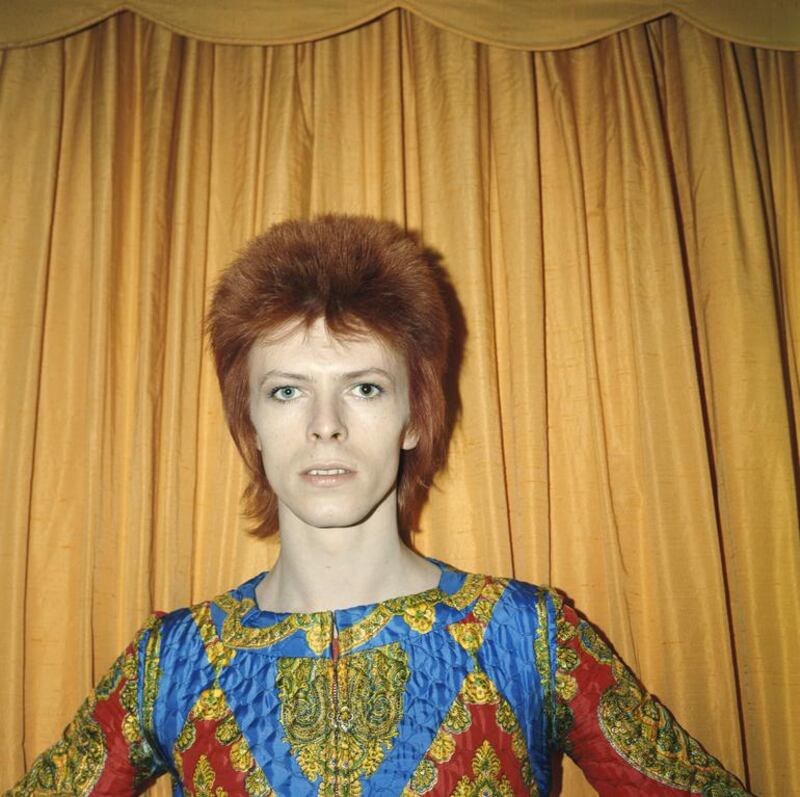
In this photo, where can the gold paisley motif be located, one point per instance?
(420, 618)
(339, 724)
(256, 785)
(457, 719)
(130, 669)
(541, 650)
(507, 720)
(477, 689)
(593, 643)
(468, 635)
(227, 732)
(186, 738)
(636, 725)
(76, 761)
(647, 736)
(130, 728)
(558, 686)
(241, 757)
(564, 629)
(466, 593)
(566, 686)
(212, 706)
(423, 603)
(423, 780)
(316, 627)
(152, 675)
(219, 656)
(418, 611)
(567, 659)
(139, 751)
(129, 696)
(442, 747)
(368, 627)
(72, 765)
(486, 780)
(204, 778)
(490, 594)
(177, 758)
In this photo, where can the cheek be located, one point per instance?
(272, 447)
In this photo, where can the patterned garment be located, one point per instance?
(461, 691)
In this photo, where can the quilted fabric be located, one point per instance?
(466, 689)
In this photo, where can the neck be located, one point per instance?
(326, 569)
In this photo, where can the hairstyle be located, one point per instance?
(363, 276)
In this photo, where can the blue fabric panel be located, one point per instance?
(249, 686)
(186, 673)
(437, 667)
(512, 631)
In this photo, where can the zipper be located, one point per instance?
(335, 688)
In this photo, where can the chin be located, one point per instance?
(331, 511)
(334, 518)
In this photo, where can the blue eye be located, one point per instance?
(283, 393)
(367, 390)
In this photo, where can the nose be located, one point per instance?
(326, 421)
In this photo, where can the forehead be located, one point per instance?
(315, 349)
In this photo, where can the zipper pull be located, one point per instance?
(334, 639)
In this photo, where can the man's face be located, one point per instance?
(331, 417)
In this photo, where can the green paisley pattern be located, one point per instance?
(74, 764)
(647, 736)
(339, 722)
(644, 733)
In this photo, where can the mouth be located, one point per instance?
(327, 475)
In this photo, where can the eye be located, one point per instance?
(284, 393)
(367, 390)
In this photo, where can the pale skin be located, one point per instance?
(331, 418)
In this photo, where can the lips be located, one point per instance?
(327, 474)
(327, 468)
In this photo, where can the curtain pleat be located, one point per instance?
(620, 223)
(522, 24)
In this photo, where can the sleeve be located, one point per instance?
(104, 750)
(624, 740)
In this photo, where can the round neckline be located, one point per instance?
(430, 595)
(242, 625)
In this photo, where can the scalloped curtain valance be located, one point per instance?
(519, 24)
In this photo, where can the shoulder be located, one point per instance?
(191, 634)
(517, 596)
(524, 594)
(189, 620)
(522, 607)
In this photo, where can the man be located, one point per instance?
(357, 666)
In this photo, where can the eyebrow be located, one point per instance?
(304, 378)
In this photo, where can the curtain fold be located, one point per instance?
(521, 24)
(620, 224)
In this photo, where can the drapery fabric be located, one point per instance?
(620, 221)
(544, 24)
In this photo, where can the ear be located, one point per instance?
(410, 439)
(258, 443)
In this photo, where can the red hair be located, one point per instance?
(362, 276)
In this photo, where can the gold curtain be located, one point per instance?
(524, 24)
(621, 223)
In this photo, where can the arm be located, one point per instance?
(103, 751)
(624, 740)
